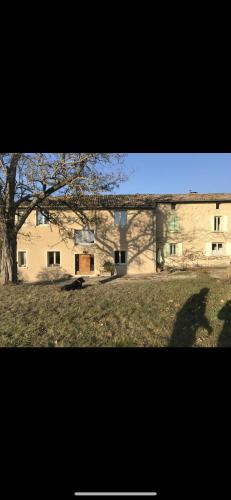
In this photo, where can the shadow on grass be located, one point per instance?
(189, 319)
(224, 339)
(111, 278)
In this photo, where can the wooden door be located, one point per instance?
(84, 264)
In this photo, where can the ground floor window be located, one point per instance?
(217, 248)
(172, 248)
(53, 259)
(21, 259)
(120, 257)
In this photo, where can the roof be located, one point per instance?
(133, 200)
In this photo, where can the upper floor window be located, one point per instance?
(172, 248)
(19, 214)
(42, 217)
(84, 236)
(173, 223)
(120, 217)
(217, 205)
(217, 223)
(173, 206)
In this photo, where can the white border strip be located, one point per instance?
(115, 494)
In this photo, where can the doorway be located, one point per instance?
(84, 264)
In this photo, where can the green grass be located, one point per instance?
(133, 313)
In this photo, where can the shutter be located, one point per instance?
(172, 224)
(228, 248)
(166, 249)
(123, 218)
(179, 249)
(212, 223)
(117, 216)
(224, 223)
(208, 249)
(176, 223)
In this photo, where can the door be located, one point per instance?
(84, 264)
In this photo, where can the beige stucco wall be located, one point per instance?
(194, 233)
(137, 238)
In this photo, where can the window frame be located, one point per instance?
(175, 253)
(215, 219)
(55, 264)
(25, 252)
(44, 217)
(119, 212)
(87, 243)
(119, 253)
(176, 224)
(216, 252)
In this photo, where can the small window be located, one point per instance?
(19, 214)
(217, 205)
(172, 249)
(84, 237)
(42, 217)
(53, 259)
(173, 206)
(173, 224)
(217, 248)
(21, 259)
(217, 223)
(120, 217)
(120, 257)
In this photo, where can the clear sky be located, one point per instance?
(177, 173)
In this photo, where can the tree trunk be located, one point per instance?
(9, 256)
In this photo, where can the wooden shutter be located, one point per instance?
(208, 249)
(166, 249)
(228, 248)
(224, 223)
(179, 249)
(212, 223)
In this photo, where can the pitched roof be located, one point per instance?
(143, 200)
(133, 200)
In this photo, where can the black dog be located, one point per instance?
(74, 285)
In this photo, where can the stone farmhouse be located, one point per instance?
(138, 233)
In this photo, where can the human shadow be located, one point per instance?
(189, 319)
(224, 339)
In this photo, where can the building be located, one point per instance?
(139, 233)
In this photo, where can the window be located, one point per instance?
(120, 257)
(53, 259)
(42, 218)
(19, 214)
(84, 237)
(21, 259)
(217, 248)
(217, 205)
(172, 248)
(173, 223)
(173, 206)
(92, 262)
(120, 217)
(217, 223)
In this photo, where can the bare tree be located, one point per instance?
(29, 179)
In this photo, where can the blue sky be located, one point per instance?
(177, 173)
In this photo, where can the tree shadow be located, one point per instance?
(224, 339)
(189, 319)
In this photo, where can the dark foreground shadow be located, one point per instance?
(111, 278)
(189, 319)
(224, 339)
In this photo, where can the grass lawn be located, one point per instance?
(132, 313)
